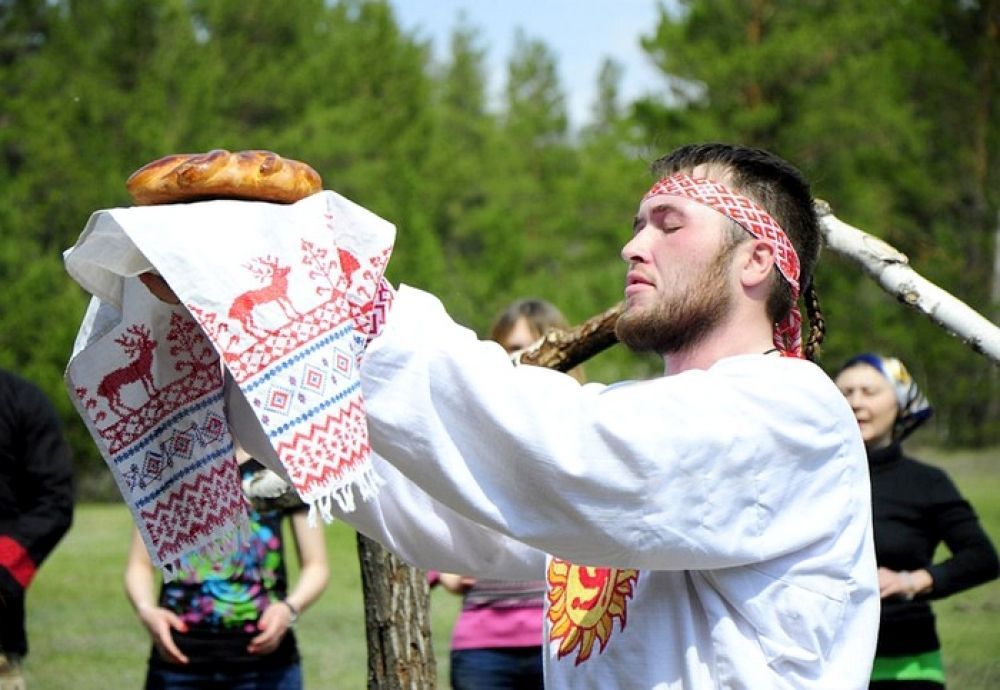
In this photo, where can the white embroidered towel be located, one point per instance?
(282, 297)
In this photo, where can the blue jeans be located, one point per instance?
(514, 668)
(284, 678)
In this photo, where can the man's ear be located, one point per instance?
(757, 263)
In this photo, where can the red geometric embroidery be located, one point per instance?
(189, 346)
(307, 327)
(212, 429)
(343, 362)
(150, 470)
(278, 400)
(371, 321)
(180, 444)
(201, 375)
(313, 379)
(125, 431)
(321, 455)
(193, 509)
(347, 300)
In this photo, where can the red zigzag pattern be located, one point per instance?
(318, 457)
(193, 510)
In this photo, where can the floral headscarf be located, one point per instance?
(914, 409)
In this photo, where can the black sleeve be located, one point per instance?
(38, 467)
(973, 557)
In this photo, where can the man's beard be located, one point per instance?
(676, 323)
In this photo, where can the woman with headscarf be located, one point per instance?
(915, 507)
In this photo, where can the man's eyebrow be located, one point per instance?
(667, 207)
(664, 208)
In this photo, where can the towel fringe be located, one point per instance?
(367, 483)
(222, 546)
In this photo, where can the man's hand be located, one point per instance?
(159, 621)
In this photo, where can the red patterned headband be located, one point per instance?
(751, 217)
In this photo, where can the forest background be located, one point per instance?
(890, 108)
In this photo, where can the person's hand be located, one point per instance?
(159, 622)
(905, 584)
(158, 286)
(273, 625)
(456, 584)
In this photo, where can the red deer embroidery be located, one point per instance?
(139, 348)
(276, 291)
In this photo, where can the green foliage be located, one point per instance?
(887, 107)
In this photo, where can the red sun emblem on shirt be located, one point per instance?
(583, 603)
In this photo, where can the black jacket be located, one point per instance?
(36, 497)
(916, 507)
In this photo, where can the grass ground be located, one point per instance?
(84, 635)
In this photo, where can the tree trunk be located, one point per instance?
(397, 621)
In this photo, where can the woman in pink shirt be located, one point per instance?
(497, 640)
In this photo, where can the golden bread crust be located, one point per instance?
(219, 174)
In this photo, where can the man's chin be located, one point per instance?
(635, 330)
(635, 306)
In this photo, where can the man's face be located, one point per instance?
(677, 288)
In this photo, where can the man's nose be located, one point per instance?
(635, 249)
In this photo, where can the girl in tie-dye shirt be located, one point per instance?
(228, 621)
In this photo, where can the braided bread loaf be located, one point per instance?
(219, 174)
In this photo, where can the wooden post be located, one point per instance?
(397, 621)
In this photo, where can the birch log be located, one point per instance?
(891, 269)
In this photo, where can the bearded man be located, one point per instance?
(710, 528)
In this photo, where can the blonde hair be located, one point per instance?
(541, 317)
